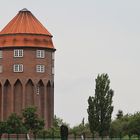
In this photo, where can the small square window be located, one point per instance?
(37, 90)
(1, 68)
(18, 53)
(18, 68)
(40, 68)
(40, 53)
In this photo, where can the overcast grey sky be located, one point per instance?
(91, 37)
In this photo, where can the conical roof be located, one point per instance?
(25, 22)
(25, 30)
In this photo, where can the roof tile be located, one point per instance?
(24, 30)
(25, 22)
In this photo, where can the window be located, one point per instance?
(52, 70)
(18, 68)
(37, 89)
(40, 53)
(0, 53)
(18, 53)
(53, 55)
(1, 69)
(40, 68)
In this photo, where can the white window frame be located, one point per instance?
(0, 53)
(40, 53)
(1, 69)
(40, 68)
(18, 52)
(18, 67)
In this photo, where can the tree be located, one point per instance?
(81, 129)
(3, 127)
(31, 120)
(14, 124)
(100, 106)
(119, 127)
(134, 125)
(119, 114)
(54, 131)
(57, 122)
(125, 126)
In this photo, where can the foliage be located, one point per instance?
(31, 120)
(119, 127)
(81, 129)
(54, 131)
(28, 122)
(134, 124)
(3, 127)
(127, 125)
(15, 125)
(57, 122)
(43, 134)
(119, 114)
(100, 106)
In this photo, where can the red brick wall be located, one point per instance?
(20, 89)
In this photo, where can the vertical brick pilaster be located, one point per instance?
(23, 96)
(52, 104)
(12, 99)
(45, 107)
(2, 98)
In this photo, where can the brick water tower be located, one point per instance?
(26, 67)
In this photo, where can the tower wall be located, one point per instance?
(20, 89)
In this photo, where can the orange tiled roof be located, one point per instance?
(25, 30)
(25, 22)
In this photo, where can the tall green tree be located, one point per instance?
(100, 106)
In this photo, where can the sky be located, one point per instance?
(91, 37)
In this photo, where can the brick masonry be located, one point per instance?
(19, 89)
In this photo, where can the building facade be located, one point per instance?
(26, 67)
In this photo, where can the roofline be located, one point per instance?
(10, 47)
(24, 34)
